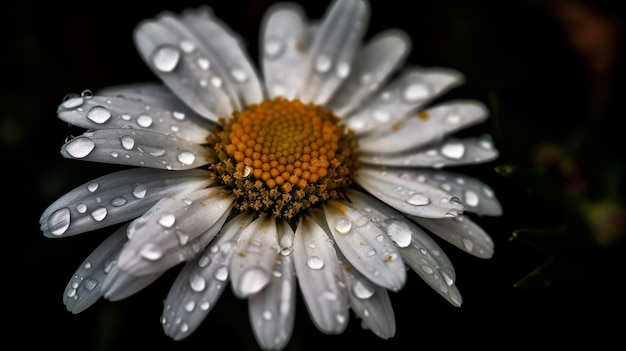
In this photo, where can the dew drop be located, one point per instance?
(80, 147)
(90, 284)
(92, 187)
(139, 191)
(167, 220)
(127, 142)
(323, 63)
(381, 116)
(178, 115)
(453, 119)
(240, 75)
(315, 262)
(189, 306)
(205, 305)
(144, 121)
(453, 150)
(118, 201)
(216, 81)
(343, 69)
(418, 200)
(203, 63)
(416, 92)
(186, 157)
(99, 114)
(221, 273)
(274, 47)
(99, 213)
(471, 198)
(468, 244)
(151, 252)
(427, 269)
(362, 291)
(197, 283)
(253, 280)
(165, 58)
(59, 221)
(398, 231)
(204, 261)
(267, 315)
(183, 238)
(343, 226)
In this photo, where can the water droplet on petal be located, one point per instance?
(323, 63)
(186, 157)
(468, 244)
(203, 63)
(253, 280)
(240, 75)
(221, 273)
(167, 220)
(189, 306)
(144, 121)
(416, 91)
(59, 221)
(118, 201)
(362, 291)
(151, 252)
(165, 58)
(197, 283)
(80, 147)
(453, 150)
(73, 102)
(139, 191)
(343, 69)
(274, 47)
(93, 186)
(99, 213)
(418, 200)
(90, 284)
(315, 262)
(471, 198)
(343, 225)
(127, 142)
(398, 231)
(99, 114)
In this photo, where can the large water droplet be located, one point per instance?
(99, 114)
(323, 63)
(59, 221)
(187, 46)
(221, 273)
(139, 191)
(398, 231)
(418, 200)
(471, 198)
(343, 69)
(151, 252)
(99, 213)
(197, 283)
(80, 147)
(167, 220)
(453, 150)
(468, 244)
(274, 47)
(73, 102)
(144, 121)
(203, 63)
(118, 201)
(127, 142)
(343, 226)
(315, 262)
(186, 157)
(240, 75)
(362, 291)
(165, 58)
(416, 92)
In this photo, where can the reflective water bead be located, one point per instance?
(99, 114)
(190, 305)
(416, 92)
(118, 201)
(166, 58)
(343, 225)
(240, 75)
(323, 63)
(315, 262)
(167, 220)
(197, 283)
(144, 121)
(343, 69)
(186, 157)
(203, 63)
(398, 231)
(80, 147)
(221, 273)
(453, 150)
(362, 291)
(139, 191)
(151, 252)
(187, 46)
(93, 186)
(127, 142)
(418, 200)
(99, 213)
(59, 221)
(73, 102)
(274, 47)
(471, 198)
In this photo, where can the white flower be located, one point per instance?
(326, 172)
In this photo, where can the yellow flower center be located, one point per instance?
(283, 156)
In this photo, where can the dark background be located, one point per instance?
(516, 59)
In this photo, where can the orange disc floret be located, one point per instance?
(297, 152)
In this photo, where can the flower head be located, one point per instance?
(326, 171)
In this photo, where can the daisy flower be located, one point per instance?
(326, 171)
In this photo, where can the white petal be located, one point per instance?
(283, 44)
(410, 91)
(373, 64)
(426, 127)
(256, 251)
(462, 233)
(419, 251)
(201, 282)
(116, 198)
(450, 152)
(365, 245)
(117, 112)
(371, 303)
(200, 60)
(320, 277)
(477, 196)
(272, 310)
(166, 235)
(408, 194)
(332, 50)
(137, 148)
(85, 287)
